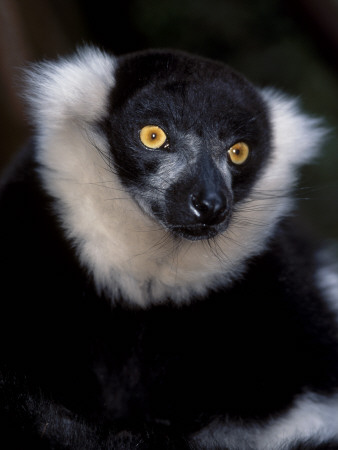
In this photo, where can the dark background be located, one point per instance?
(289, 44)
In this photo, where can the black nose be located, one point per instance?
(208, 207)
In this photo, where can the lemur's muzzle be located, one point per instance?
(199, 204)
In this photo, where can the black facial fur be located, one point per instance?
(190, 186)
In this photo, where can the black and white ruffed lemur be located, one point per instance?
(156, 291)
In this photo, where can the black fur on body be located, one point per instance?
(228, 367)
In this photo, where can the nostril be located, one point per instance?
(201, 205)
(209, 208)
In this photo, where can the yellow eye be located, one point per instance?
(239, 153)
(152, 136)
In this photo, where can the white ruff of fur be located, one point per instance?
(125, 251)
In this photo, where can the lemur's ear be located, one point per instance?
(296, 136)
(72, 89)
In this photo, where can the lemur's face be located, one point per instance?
(188, 139)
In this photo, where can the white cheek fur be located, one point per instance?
(124, 249)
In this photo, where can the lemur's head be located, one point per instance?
(188, 138)
(169, 171)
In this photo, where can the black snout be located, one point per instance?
(208, 207)
(199, 204)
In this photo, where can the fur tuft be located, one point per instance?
(71, 89)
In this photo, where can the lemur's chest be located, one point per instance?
(176, 365)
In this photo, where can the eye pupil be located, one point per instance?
(153, 136)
